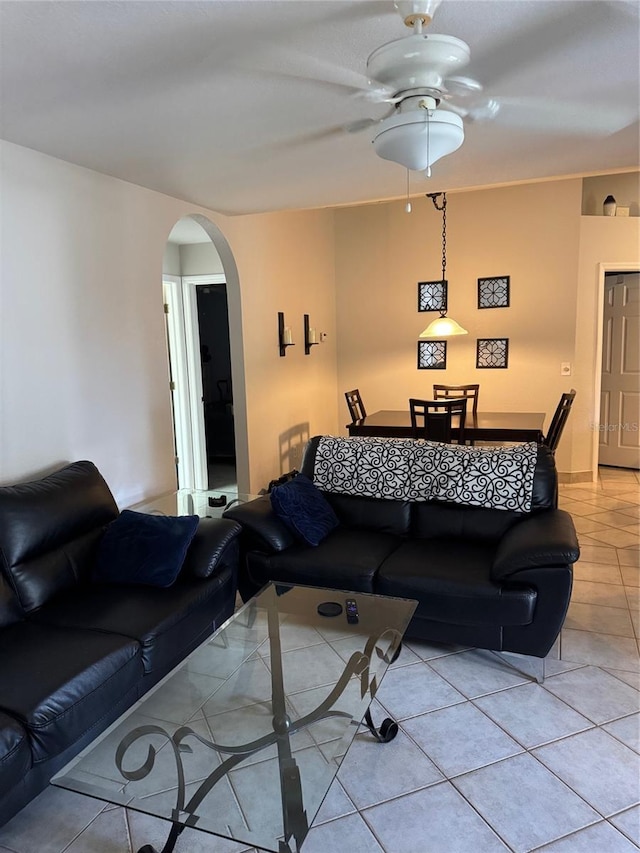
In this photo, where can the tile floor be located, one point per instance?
(486, 760)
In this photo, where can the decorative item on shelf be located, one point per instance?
(492, 353)
(493, 292)
(432, 355)
(622, 211)
(310, 336)
(609, 206)
(284, 335)
(442, 326)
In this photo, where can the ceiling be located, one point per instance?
(240, 105)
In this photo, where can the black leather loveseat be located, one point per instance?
(75, 654)
(493, 578)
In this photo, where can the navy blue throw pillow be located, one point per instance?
(138, 548)
(304, 509)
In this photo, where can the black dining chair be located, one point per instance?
(556, 427)
(432, 419)
(451, 392)
(448, 392)
(356, 406)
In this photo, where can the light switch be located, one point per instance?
(565, 368)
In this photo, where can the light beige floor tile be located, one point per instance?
(628, 822)
(600, 649)
(596, 572)
(627, 730)
(599, 554)
(597, 838)
(577, 508)
(585, 524)
(605, 500)
(617, 538)
(585, 539)
(633, 512)
(612, 517)
(629, 557)
(598, 619)
(605, 594)
(630, 575)
(635, 621)
(596, 693)
(609, 473)
(632, 678)
(633, 598)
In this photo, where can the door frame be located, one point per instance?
(194, 370)
(181, 405)
(602, 269)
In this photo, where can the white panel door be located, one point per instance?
(620, 400)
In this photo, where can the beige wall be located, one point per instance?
(199, 259)
(83, 358)
(529, 232)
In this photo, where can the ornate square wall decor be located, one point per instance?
(492, 352)
(432, 355)
(432, 296)
(493, 292)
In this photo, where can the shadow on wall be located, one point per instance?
(292, 443)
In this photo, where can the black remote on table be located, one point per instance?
(352, 611)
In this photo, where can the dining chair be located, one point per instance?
(356, 406)
(448, 392)
(556, 427)
(432, 419)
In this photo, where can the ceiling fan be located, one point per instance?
(419, 74)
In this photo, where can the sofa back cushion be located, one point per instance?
(371, 513)
(50, 529)
(10, 610)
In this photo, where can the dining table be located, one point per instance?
(481, 426)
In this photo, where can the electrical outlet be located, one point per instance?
(565, 368)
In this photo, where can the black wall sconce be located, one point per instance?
(284, 334)
(310, 336)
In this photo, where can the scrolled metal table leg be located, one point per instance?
(387, 731)
(170, 843)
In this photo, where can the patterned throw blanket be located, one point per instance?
(418, 470)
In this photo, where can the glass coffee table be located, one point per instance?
(244, 738)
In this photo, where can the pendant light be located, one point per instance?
(442, 326)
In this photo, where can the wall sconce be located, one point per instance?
(310, 336)
(284, 335)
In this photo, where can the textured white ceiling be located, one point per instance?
(239, 105)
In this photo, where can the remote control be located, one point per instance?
(352, 611)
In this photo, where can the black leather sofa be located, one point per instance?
(75, 654)
(489, 578)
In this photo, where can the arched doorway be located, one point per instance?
(204, 333)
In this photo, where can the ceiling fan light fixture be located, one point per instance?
(418, 139)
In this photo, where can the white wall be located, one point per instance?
(83, 362)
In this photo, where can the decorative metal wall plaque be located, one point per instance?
(432, 355)
(493, 292)
(492, 352)
(432, 295)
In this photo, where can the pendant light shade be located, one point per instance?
(443, 327)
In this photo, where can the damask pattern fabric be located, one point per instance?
(419, 470)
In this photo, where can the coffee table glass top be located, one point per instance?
(245, 736)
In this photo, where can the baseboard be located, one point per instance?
(575, 476)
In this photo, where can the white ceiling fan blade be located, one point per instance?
(557, 117)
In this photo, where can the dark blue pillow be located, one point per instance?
(304, 509)
(138, 548)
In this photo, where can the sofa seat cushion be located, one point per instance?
(164, 621)
(347, 559)
(15, 752)
(60, 682)
(452, 581)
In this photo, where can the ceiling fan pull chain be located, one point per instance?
(407, 206)
(428, 169)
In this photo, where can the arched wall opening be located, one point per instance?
(191, 244)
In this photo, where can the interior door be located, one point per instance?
(619, 443)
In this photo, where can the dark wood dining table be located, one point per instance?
(483, 426)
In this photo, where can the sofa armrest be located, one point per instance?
(213, 546)
(261, 524)
(547, 538)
